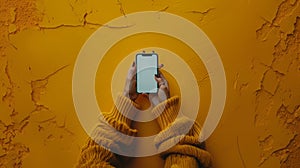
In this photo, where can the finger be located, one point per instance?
(160, 66)
(162, 77)
(165, 82)
(158, 79)
(134, 67)
(131, 71)
(161, 74)
(162, 80)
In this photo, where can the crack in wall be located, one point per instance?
(239, 86)
(50, 127)
(290, 48)
(38, 88)
(239, 152)
(122, 11)
(14, 152)
(164, 9)
(285, 9)
(266, 144)
(270, 81)
(274, 87)
(289, 154)
(84, 23)
(202, 14)
(9, 95)
(289, 119)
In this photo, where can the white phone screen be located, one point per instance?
(146, 65)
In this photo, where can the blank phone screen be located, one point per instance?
(146, 65)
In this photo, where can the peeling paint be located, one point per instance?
(279, 87)
(14, 18)
(289, 155)
(285, 9)
(289, 119)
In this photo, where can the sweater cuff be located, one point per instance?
(167, 111)
(181, 140)
(110, 130)
(203, 157)
(94, 155)
(180, 161)
(179, 128)
(123, 107)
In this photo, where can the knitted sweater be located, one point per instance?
(188, 152)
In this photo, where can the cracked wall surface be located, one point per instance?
(278, 93)
(258, 41)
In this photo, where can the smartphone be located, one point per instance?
(146, 68)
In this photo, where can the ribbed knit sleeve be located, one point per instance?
(96, 152)
(95, 156)
(203, 157)
(167, 111)
(123, 107)
(188, 151)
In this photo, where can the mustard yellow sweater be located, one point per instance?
(189, 152)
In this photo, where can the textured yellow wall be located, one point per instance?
(258, 41)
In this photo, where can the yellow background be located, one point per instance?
(258, 42)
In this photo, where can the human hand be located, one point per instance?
(130, 84)
(163, 92)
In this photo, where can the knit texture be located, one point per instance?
(188, 152)
(95, 156)
(123, 107)
(167, 111)
(202, 156)
(180, 161)
(96, 152)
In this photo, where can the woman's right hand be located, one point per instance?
(163, 92)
